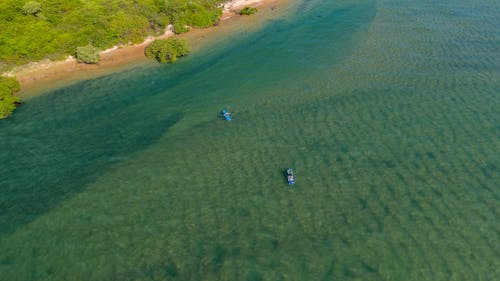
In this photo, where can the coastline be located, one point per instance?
(34, 74)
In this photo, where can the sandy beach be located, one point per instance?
(46, 72)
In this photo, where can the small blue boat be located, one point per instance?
(290, 176)
(226, 115)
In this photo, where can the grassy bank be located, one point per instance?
(54, 29)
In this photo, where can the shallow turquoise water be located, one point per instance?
(388, 111)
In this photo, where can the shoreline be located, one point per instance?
(48, 72)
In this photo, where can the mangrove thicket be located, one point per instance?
(54, 29)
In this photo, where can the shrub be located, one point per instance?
(8, 86)
(197, 14)
(32, 8)
(180, 27)
(248, 11)
(88, 54)
(167, 50)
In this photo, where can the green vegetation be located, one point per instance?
(8, 86)
(87, 54)
(192, 13)
(53, 29)
(180, 28)
(32, 8)
(248, 11)
(167, 50)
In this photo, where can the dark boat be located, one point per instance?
(290, 176)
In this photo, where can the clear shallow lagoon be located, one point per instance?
(388, 111)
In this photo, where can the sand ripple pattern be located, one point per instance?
(388, 111)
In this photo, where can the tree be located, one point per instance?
(88, 54)
(32, 8)
(198, 14)
(167, 50)
(180, 27)
(8, 102)
(248, 11)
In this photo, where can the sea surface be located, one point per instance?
(388, 111)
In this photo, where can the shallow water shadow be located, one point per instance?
(50, 158)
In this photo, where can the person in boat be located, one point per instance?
(226, 115)
(290, 176)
